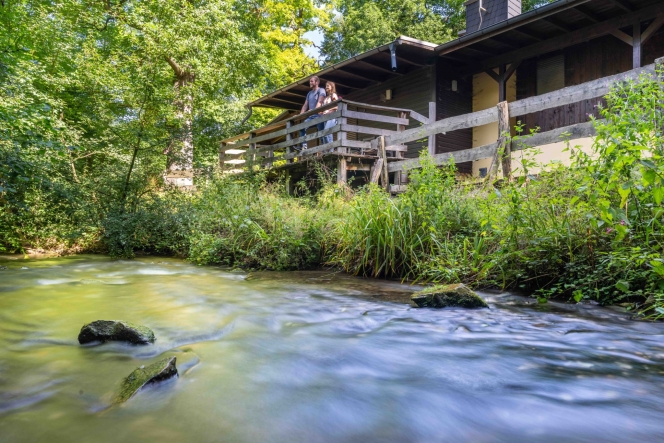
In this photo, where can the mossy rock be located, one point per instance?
(115, 330)
(161, 370)
(448, 296)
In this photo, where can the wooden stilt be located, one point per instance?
(503, 137)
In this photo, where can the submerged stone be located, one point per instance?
(161, 370)
(115, 330)
(448, 296)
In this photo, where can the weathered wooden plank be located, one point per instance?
(376, 170)
(449, 124)
(418, 117)
(503, 137)
(572, 132)
(366, 130)
(374, 107)
(465, 155)
(291, 129)
(654, 27)
(375, 117)
(573, 94)
(384, 172)
(396, 189)
(356, 167)
(298, 140)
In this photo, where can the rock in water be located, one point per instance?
(115, 330)
(448, 296)
(162, 370)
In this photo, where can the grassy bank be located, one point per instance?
(592, 232)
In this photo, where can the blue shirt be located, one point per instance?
(313, 97)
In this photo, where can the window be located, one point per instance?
(550, 74)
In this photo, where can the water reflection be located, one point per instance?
(313, 357)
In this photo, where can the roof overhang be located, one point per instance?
(357, 72)
(551, 27)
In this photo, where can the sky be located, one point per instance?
(317, 37)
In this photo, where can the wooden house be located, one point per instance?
(410, 95)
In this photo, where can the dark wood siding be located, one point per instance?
(588, 61)
(409, 91)
(452, 103)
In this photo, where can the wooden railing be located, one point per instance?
(281, 141)
(501, 113)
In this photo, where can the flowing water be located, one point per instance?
(313, 357)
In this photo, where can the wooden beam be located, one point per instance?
(363, 77)
(341, 171)
(622, 36)
(588, 14)
(379, 68)
(557, 24)
(342, 83)
(407, 60)
(652, 28)
(512, 69)
(528, 34)
(575, 37)
(623, 4)
(493, 75)
(381, 154)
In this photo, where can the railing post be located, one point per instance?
(503, 137)
(431, 142)
(400, 177)
(289, 136)
(381, 153)
(252, 155)
(341, 136)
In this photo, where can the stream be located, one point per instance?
(313, 357)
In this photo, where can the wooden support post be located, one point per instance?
(270, 155)
(289, 136)
(431, 142)
(502, 84)
(503, 137)
(341, 171)
(636, 45)
(376, 170)
(381, 153)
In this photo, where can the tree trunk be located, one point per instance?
(181, 150)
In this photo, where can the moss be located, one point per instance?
(115, 330)
(444, 296)
(161, 370)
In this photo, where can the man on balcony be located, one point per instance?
(314, 99)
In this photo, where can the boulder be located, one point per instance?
(115, 330)
(161, 370)
(448, 296)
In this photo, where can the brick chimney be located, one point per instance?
(484, 13)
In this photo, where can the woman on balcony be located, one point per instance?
(330, 96)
